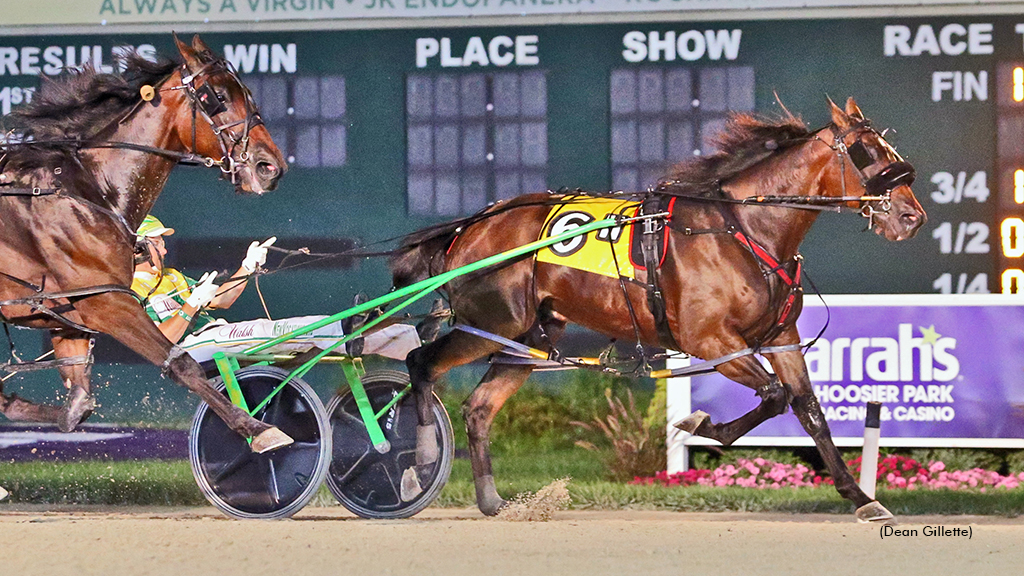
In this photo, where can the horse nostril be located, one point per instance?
(909, 220)
(267, 171)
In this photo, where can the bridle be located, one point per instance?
(205, 101)
(879, 187)
(877, 197)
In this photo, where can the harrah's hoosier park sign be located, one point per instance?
(948, 370)
(104, 12)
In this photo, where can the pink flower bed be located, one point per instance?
(893, 472)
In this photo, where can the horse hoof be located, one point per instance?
(78, 407)
(874, 513)
(410, 487)
(270, 439)
(692, 422)
(492, 508)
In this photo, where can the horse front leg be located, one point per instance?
(747, 371)
(792, 370)
(75, 346)
(773, 402)
(121, 316)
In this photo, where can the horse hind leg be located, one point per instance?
(426, 364)
(478, 411)
(80, 402)
(499, 383)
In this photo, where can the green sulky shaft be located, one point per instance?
(434, 282)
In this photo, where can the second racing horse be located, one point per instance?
(730, 278)
(93, 154)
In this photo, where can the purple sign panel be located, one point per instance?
(949, 371)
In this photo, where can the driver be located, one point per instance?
(178, 305)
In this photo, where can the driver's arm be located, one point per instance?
(200, 295)
(174, 327)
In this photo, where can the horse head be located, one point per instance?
(871, 165)
(222, 121)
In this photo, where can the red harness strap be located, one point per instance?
(452, 243)
(774, 265)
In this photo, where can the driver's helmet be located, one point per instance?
(151, 228)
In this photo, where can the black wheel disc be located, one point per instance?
(369, 483)
(275, 484)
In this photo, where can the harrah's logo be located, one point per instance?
(885, 359)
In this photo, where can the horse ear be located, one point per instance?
(839, 118)
(853, 110)
(187, 53)
(200, 47)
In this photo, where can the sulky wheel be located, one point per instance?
(368, 483)
(275, 484)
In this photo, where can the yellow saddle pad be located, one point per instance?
(591, 252)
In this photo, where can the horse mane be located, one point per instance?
(74, 105)
(746, 140)
(78, 105)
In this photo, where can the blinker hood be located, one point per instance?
(891, 177)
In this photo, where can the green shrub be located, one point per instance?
(959, 458)
(1015, 462)
(637, 448)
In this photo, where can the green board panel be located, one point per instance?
(918, 91)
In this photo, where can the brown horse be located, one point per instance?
(727, 278)
(94, 153)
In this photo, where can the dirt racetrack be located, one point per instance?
(328, 541)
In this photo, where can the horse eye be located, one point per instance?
(221, 94)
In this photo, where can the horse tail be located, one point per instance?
(422, 254)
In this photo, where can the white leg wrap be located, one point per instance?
(426, 445)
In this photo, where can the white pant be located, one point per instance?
(395, 341)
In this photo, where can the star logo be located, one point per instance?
(929, 335)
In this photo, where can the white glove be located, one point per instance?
(256, 255)
(204, 291)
